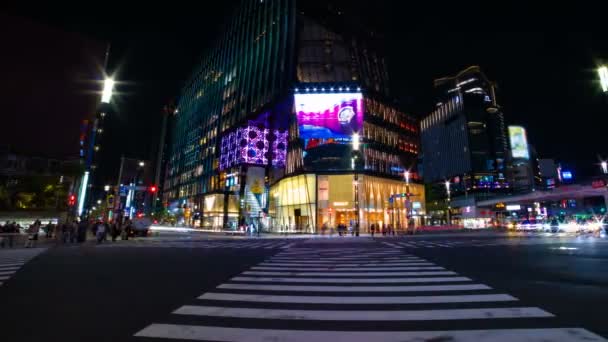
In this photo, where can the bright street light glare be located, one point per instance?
(603, 71)
(356, 141)
(604, 165)
(108, 88)
(141, 164)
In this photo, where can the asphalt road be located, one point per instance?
(435, 288)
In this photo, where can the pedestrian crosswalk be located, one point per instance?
(357, 294)
(187, 243)
(455, 243)
(12, 260)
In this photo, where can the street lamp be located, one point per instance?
(108, 88)
(355, 138)
(407, 198)
(603, 72)
(142, 164)
(604, 165)
(447, 189)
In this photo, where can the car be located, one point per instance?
(141, 226)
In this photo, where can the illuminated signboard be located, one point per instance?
(253, 145)
(329, 116)
(519, 142)
(513, 207)
(567, 175)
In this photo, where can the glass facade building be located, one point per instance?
(272, 109)
(464, 139)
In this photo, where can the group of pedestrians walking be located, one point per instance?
(114, 229)
(71, 231)
(385, 230)
(8, 232)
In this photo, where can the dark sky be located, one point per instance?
(547, 79)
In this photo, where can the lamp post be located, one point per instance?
(407, 198)
(603, 73)
(355, 138)
(447, 189)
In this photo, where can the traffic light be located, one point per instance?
(72, 200)
(153, 189)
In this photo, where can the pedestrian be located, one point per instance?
(115, 230)
(32, 235)
(73, 228)
(3, 232)
(100, 231)
(13, 230)
(82, 231)
(357, 229)
(49, 230)
(371, 229)
(127, 229)
(65, 232)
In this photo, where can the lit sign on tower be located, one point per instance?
(519, 142)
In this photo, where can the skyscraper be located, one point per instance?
(464, 139)
(268, 128)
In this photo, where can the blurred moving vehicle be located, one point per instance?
(140, 226)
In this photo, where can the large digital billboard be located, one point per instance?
(329, 115)
(519, 142)
(253, 145)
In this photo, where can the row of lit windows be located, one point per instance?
(442, 112)
(385, 113)
(387, 137)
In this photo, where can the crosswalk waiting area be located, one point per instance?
(356, 295)
(12, 260)
(185, 243)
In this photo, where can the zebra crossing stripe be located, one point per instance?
(364, 315)
(412, 268)
(475, 298)
(349, 274)
(9, 268)
(19, 264)
(224, 334)
(351, 280)
(325, 260)
(329, 288)
(363, 265)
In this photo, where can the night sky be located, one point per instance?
(547, 79)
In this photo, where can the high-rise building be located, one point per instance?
(464, 139)
(287, 124)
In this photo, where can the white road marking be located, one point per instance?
(340, 264)
(352, 280)
(350, 274)
(413, 268)
(476, 298)
(364, 315)
(305, 288)
(222, 334)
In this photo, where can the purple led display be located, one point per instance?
(250, 145)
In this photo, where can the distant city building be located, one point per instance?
(464, 139)
(264, 131)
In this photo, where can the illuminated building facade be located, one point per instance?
(263, 131)
(464, 139)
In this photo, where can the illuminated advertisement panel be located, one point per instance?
(329, 116)
(519, 143)
(250, 145)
